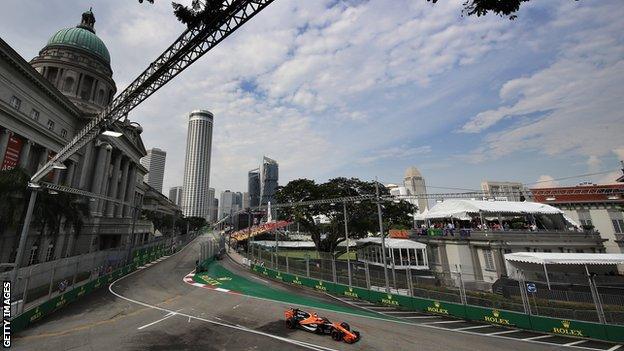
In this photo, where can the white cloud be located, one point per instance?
(395, 153)
(545, 181)
(573, 106)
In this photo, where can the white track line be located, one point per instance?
(505, 332)
(445, 322)
(291, 341)
(474, 327)
(403, 312)
(168, 315)
(614, 348)
(421, 317)
(575, 342)
(538, 337)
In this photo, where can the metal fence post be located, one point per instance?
(596, 297)
(367, 274)
(51, 281)
(76, 274)
(308, 266)
(26, 283)
(523, 293)
(408, 274)
(462, 290)
(287, 268)
(333, 261)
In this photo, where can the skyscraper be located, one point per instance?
(211, 196)
(269, 173)
(175, 195)
(415, 184)
(253, 187)
(155, 164)
(226, 201)
(197, 164)
(245, 200)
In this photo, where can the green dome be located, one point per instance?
(83, 39)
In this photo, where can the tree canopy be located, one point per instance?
(362, 217)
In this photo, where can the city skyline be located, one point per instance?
(477, 124)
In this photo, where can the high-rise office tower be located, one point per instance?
(245, 200)
(175, 195)
(214, 211)
(155, 164)
(269, 172)
(211, 196)
(415, 184)
(253, 187)
(197, 164)
(226, 202)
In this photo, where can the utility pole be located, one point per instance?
(383, 240)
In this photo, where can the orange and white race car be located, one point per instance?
(296, 318)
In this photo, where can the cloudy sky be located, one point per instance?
(367, 88)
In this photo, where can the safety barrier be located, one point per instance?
(139, 258)
(492, 316)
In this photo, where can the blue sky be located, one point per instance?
(369, 88)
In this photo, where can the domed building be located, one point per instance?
(76, 61)
(44, 103)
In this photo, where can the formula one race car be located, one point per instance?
(313, 323)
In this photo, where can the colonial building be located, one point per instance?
(43, 104)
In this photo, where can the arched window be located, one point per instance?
(68, 84)
(100, 97)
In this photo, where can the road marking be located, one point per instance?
(574, 343)
(422, 317)
(168, 315)
(474, 327)
(445, 322)
(262, 280)
(402, 312)
(381, 308)
(504, 332)
(291, 341)
(614, 348)
(538, 337)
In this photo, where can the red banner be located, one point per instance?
(11, 157)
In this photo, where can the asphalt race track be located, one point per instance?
(154, 309)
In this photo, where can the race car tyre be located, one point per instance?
(345, 325)
(336, 335)
(291, 323)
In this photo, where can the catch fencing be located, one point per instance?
(460, 287)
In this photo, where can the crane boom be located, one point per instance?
(189, 47)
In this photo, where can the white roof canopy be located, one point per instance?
(462, 208)
(393, 243)
(565, 258)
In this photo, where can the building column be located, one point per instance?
(99, 173)
(4, 143)
(86, 163)
(25, 155)
(112, 191)
(121, 194)
(105, 180)
(130, 190)
(69, 175)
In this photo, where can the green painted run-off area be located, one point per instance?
(218, 276)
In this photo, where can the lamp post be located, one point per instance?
(24, 234)
(383, 241)
(344, 209)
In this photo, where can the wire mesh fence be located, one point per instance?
(458, 287)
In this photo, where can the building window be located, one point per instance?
(585, 218)
(489, 260)
(16, 102)
(50, 125)
(33, 255)
(34, 114)
(63, 133)
(617, 218)
(68, 85)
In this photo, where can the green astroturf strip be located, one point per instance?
(220, 277)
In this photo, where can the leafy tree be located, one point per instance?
(200, 11)
(501, 8)
(362, 218)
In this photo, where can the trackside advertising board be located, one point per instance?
(493, 316)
